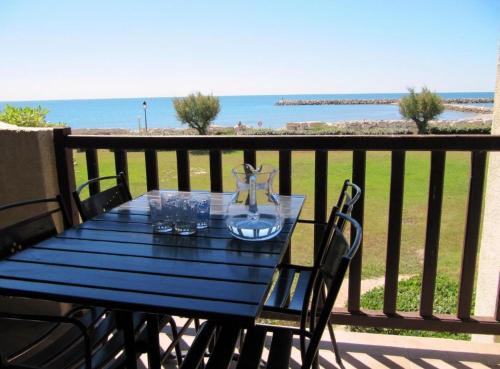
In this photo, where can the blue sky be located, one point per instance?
(92, 49)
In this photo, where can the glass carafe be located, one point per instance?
(254, 211)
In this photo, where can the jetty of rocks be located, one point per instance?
(469, 108)
(284, 102)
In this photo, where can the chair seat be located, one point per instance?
(283, 298)
(24, 334)
(61, 343)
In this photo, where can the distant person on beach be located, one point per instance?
(240, 127)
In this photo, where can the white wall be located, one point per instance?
(489, 256)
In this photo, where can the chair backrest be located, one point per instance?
(331, 273)
(330, 248)
(34, 229)
(102, 201)
(344, 205)
(347, 201)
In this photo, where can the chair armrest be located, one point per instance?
(45, 318)
(295, 266)
(309, 221)
(55, 319)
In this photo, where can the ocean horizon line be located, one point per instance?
(242, 95)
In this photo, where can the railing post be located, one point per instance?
(432, 231)
(92, 170)
(215, 170)
(320, 196)
(183, 180)
(285, 175)
(65, 172)
(394, 231)
(358, 177)
(471, 242)
(121, 163)
(151, 169)
(250, 157)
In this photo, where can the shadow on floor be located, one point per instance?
(372, 356)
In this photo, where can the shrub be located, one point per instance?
(421, 107)
(477, 130)
(26, 116)
(222, 131)
(445, 302)
(197, 111)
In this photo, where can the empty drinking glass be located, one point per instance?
(169, 206)
(159, 221)
(203, 212)
(186, 216)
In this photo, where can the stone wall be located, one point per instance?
(387, 125)
(27, 168)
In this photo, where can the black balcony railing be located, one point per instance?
(438, 146)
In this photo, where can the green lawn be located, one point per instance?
(376, 205)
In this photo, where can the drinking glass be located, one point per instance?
(157, 211)
(203, 211)
(169, 207)
(186, 216)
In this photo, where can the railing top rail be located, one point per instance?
(375, 143)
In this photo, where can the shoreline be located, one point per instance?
(399, 126)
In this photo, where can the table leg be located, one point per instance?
(126, 324)
(154, 358)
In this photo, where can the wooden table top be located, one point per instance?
(115, 260)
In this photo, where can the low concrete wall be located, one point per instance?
(27, 168)
(489, 256)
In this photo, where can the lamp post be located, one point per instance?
(145, 107)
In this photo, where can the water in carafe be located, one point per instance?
(254, 210)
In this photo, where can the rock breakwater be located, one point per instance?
(469, 108)
(285, 102)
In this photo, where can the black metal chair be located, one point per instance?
(48, 334)
(283, 298)
(312, 321)
(102, 201)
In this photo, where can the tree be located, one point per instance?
(197, 110)
(26, 116)
(421, 107)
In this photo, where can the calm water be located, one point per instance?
(125, 113)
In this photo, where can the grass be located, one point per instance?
(339, 168)
(409, 300)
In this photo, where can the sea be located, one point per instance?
(253, 111)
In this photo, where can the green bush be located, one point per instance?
(197, 111)
(26, 116)
(445, 302)
(223, 131)
(421, 107)
(468, 130)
